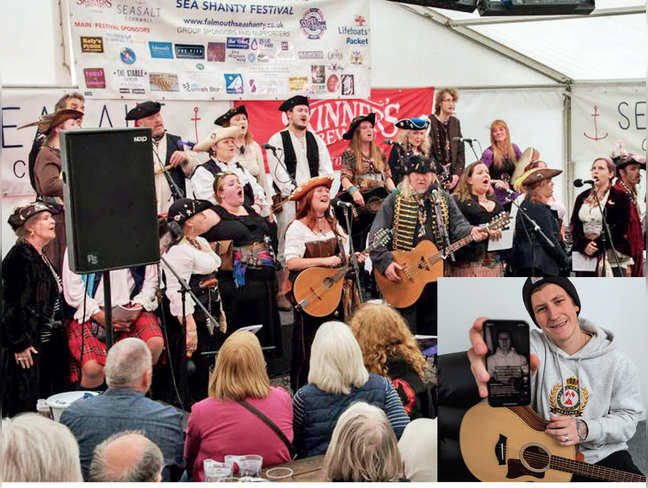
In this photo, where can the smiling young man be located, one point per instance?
(582, 384)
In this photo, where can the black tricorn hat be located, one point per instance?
(223, 119)
(417, 163)
(143, 109)
(293, 102)
(185, 208)
(370, 117)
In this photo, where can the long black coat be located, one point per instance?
(30, 293)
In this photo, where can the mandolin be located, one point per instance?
(509, 444)
(318, 290)
(422, 265)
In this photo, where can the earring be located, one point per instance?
(31, 233)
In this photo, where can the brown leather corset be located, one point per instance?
(322, 249)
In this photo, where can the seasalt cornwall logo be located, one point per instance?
(312, 23)
(95, 3)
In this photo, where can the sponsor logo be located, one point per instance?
(216, 52)
(266, 44)
(140, 139)
(193, 87)
(353, 41)
(356, 57)
(166, 82)
(234, 83)
(359, 20)
(138, 13)
(337, 54)
(285, 46)
(236, 57)
(334, 67)
(297, 83)
(318, 73)
(333, 84)
(130, 80)
(353, 31)
(190, 51)
(95, 3)
(94, 77)
(251, 58)
(92, 44)
(127, 55)
(254, 45)
(253, 87)
(200, 66)
(355, 36)
(263, 58)
(238, 43)
(310, 54)
(312, 23)
(161, 50)
(348, 85)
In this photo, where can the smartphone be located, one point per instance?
(507, 362)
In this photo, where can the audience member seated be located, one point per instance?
(126, 457)
(36, 449)
(418, 448)
(363, 447)
(389, 349)
(336, 379)
(124, 406)
(243, 413)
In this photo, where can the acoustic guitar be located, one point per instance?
(318, 290)
(422, 265)
(509, 444)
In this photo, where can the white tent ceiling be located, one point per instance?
(609, 44)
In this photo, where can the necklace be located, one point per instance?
(57, 278)
(628, 190)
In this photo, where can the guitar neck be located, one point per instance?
(594, 471)
(458, 244)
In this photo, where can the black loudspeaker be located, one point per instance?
(109, 193)
(535, 7)
(463, 5)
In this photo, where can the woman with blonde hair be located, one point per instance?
(412, 138)
(363, 447)
(336, 379)
(226, 422)
(500, 158)
(390, 350)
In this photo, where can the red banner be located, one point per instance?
(331, 118)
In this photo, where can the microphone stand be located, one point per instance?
(470, 143)
(606, 235)
(353, 257)
(175, 190)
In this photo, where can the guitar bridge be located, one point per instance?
(500, 450)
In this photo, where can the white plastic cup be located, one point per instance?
(216, 471)
(250, 465)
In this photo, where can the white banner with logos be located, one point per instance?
(190, 120)
(215, 50)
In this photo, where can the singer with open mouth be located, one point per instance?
(473, 195)
(587, 223)
(419, 211)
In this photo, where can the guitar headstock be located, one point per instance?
(498, 222)
(381, 238)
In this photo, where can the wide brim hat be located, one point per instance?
(22, 214)
(415, 123)
(531, 284)
(293, 102)
(184, 208)
(144, 109)
(535, 175)
(302, 190)
(417, 163)
(48, 122)
(225, 118)
(522, 162)
(355, 123)
(216, 135)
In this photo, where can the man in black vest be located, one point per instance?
(170, 161)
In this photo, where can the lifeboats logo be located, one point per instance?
(95, 3)
(313, 24)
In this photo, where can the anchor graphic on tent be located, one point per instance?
(596, 136)
(195, 119)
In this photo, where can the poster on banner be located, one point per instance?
(217, 50)
(330, 119)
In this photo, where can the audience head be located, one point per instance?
(129, 365)
(126, 457)
(363, 447)
(240, 370)
(73, 101)
(34, 448)
(336, 361)
(383, 334)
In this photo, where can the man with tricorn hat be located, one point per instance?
(47, 174)
(299, 155)
(172, 164)
(628, 171)
(417, 210)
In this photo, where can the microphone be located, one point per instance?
(185, 144)
(464, 139)
(269, 147)
(500, 187)
(578, 183)
(391, 142)
(341, 203)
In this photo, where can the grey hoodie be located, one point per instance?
(597, 384)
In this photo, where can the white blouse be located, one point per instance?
(591, 217)
(298, 234)
(187, 260)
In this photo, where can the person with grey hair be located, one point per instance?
(34, 448)
(125, 407)
(363, 447)
(127, 456)
(338, 378)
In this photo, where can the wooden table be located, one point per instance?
(307, 469)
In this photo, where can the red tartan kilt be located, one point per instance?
(145, 327)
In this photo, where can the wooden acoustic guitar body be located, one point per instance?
(419, 269)
(498, 444)
(317, 291)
